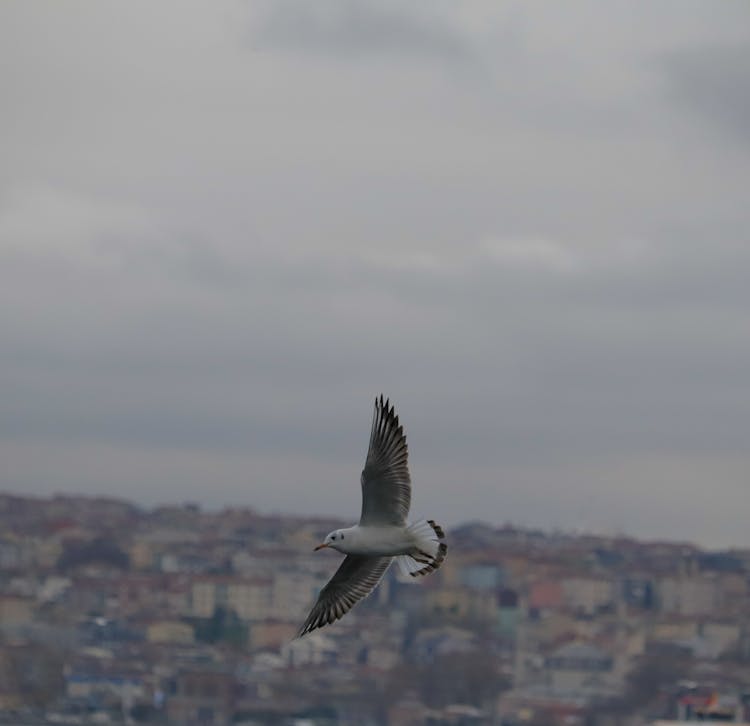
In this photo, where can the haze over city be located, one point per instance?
(225, 228)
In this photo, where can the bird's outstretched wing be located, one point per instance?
(356, 578)
(386, 485)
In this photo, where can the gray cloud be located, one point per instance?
(210, 262)
(359, 28)
(712, 82)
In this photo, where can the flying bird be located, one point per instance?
(383, 532)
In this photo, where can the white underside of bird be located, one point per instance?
(383, 532)
(375, 540)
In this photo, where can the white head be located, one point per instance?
(335, 539)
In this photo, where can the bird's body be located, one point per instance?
(376, 540)
(383, 532)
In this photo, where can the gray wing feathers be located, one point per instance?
(357, 576)
(386, 485)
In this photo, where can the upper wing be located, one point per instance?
(386, 485)
(356, 578)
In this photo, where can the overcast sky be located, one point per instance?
(225, 227)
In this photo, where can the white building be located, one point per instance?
(588, 595)
(250, 599)
(691, 595)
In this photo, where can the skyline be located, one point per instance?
(311, 521)
(225, 229)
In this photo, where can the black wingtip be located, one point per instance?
(383, 404)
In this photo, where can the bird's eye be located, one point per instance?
(342, 536)
(333, 536)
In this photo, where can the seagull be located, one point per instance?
(383, 532)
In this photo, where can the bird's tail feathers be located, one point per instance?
(429, 551)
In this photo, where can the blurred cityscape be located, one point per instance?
(111, 613)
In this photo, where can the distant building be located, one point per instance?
(638, 592)
(101, 687)
(271, 634)
(15, 610)
(688, 595)
(581, 670)
(293, 592)
(433, 642)
(316, 648)
(203, 697)
(173, 632)
(483, 576)
(508, 612)
(13, 555)
(545, 595)
(588, 595)
(249, 599)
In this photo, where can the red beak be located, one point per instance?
(320, 547)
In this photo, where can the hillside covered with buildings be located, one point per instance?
(114, 613)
